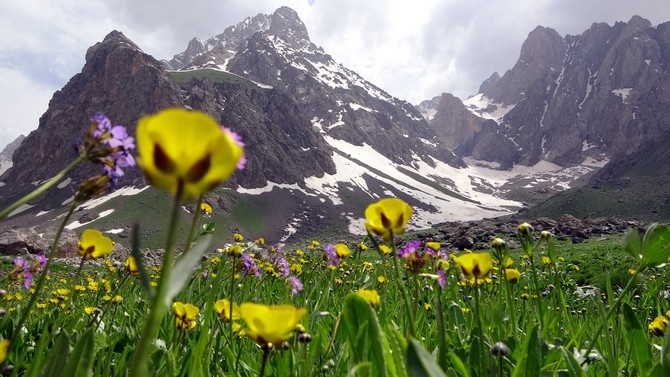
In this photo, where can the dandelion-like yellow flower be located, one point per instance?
(369, 295)
(658, 325)
(185, 149)
(387, 216)
(186, 315)
(222, 309)
(475, 265)
(93, 244)
(270, 324)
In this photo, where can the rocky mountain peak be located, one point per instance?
(286, 24)
(488, 83)
(544, 47)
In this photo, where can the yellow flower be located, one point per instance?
(185, 149)
(513, 275)
(131, 265)
(465, 310)
(296, 269)
(260, 241)
(385, 249)
(342, 250)
(270, 324)
(314, 244)
(222, 309)
(362, 246)
(41, 305)
(525, 296)
(206, 209)
(387, 216)
(117, 299)
(498, 243)
(658, 325)
(369, 295)
(186, 315)
(632, 272)
(475, 265)
(434, 245)
(525, 229)
(92, 310)
(382, 280)
(93, 244)
(235, 251)
(238, 237)
(4, 349)
(427, 307)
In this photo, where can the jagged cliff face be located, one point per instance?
(8, 152)
(126, 83)
(600, 94)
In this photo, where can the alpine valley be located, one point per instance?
(579, 125)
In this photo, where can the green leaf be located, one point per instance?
(640, 348)
(574, 369)
(360, 368)
(56, 362)
(632, 243)
(458, 365)
(420, 362)
(80, 362)
(183, 268)
(363, 334)
(656, 245)
(665, 354)
(397, 345)
(530, 362)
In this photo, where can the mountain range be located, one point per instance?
(323, 142)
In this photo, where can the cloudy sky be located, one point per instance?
(414, 49)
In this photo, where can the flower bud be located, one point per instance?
(525, 229)
(498, 243)
(499, 349)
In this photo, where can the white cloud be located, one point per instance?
(22, 102)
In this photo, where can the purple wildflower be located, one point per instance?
(281, 266)
(249, 266)
(330, 255)
(104, 125)
(27, 278)
(295, 284)
(409, 248)
(443, 277)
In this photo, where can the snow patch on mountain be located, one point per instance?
(482, 106)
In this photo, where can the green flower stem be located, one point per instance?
(139, 367)
(536, 288)
(441, 330)
(194, 226)
(231, 300)
(403, 289)
(266, 353)
(42, 279)
(42, 188)
(613, 308)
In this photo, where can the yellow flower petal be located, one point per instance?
(270, 324)
(187, 149)
(93, 244)
(387, 216)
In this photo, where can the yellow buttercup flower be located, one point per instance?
(4, 349)
(222, 309)
(93, 244)
(369, 295)
(237, 237)
(206, 209)
(387, 216)
(434, 245)
(342, 250)
(185, 149)
(658, 325)
(546, 260)
(131, 265)
(385, 249)
(382, 280)
(513, 275)
(475, 265)
(270, 324)
(186, 315)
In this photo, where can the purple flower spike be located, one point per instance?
(331, 255)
